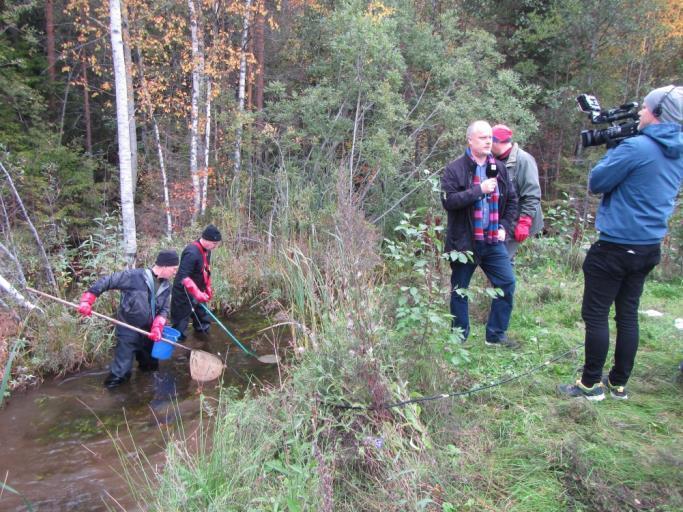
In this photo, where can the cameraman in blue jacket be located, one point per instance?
(639, 181)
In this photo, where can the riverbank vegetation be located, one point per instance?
(322, 440)
(313, 134)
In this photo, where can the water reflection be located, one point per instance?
(56, 441)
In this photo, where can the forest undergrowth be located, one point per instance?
(370, 328)
(324, 439)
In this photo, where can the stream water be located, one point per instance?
(56, 447)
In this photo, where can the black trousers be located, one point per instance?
(131, 344)
(613, 274)
(182, 315)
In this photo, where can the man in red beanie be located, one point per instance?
(523, 171)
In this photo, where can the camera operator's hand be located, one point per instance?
(489, 185)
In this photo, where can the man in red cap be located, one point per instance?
(523, 171)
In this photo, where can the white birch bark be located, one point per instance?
(123, 135)
(207, 145)
(241, 90)
(41, 249)
(162, 167)
(194, 116)
(7, 287)
(17, 265)
(10, 251)
(131, 97)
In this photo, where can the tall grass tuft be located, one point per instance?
(18, 345)
(239, 455)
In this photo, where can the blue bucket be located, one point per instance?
(163, 350)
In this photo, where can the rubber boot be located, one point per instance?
(112, 381)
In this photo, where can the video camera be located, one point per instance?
(611, 135)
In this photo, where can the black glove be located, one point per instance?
(612, 143)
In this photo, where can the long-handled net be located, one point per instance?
(204, 366)
(267, 359)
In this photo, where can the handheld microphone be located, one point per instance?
(491, 172)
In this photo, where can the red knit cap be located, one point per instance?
(502, 133)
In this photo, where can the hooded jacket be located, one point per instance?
(639, 180)
(191, 265)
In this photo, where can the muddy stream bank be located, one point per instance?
(55, 444)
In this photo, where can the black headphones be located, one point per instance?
(657, 111)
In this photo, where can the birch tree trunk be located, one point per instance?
(207, 145)
(147, 104)
(123, 135)
(162, 166)
(34, 232)
(15, 260)
(249, 93)
(241, 90)
(131, 96)
(10, 251)
(197, 66)
(260, 58)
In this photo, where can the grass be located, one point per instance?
(522, 449)
(515, 447)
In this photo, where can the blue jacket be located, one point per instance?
(639, 180)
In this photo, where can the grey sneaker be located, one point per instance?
(595, 393)
(503, 342)
(618, 392)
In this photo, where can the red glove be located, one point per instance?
(209, 291)
(191, 287)
(522, 228)
(157, 327)
(87, 300)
